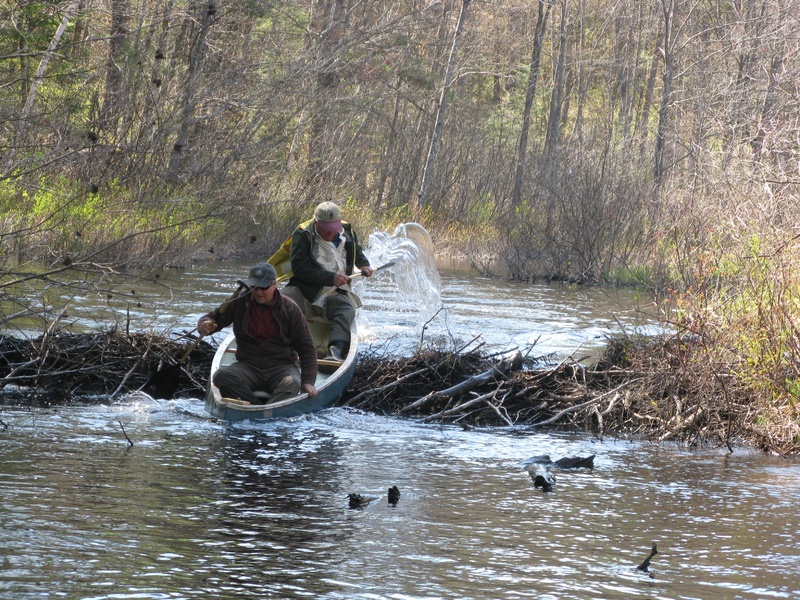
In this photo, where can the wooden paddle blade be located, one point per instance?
(391, 263)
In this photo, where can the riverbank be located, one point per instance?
(650, 387)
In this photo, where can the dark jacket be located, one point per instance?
(294, 336)
(307, 274)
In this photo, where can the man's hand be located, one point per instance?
(206, 326)
(340, 279)
(367, 271)
(309, 389)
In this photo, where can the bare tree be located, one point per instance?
(197, 35)
(558, 96)
(669, 49)
(530, 93)
(30, 102)
(114, 90)
(441, 109)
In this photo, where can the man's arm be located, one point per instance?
(217, 318)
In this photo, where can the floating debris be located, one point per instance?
(359, 501)
(646, 564)
(568, 462)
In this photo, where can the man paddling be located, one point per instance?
(324, 254)
(270, 332)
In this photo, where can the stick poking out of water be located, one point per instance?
(130, 443)
(646, 564)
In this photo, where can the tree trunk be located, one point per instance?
(665, 109)
(427, 174)
(647, 101)
(327, 25)
(751, 21)
(770, 102)
(30, 102)
(557, 97)
(191, 95)
(533, 76)
(114, 92)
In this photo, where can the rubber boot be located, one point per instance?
(335, 353)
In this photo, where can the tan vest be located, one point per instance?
(331, 257)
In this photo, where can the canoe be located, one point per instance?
(332, 380)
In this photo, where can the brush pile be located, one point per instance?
(473, 390)
(64, 367)
(657, 387)
(640, 386)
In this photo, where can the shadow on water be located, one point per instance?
(273, 512)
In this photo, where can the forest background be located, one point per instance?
(651, 143)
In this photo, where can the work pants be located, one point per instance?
(338, 310)
(240, 380)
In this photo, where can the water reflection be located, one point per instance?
(272, 510)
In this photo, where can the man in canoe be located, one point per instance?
(324, 254)
(270, 331)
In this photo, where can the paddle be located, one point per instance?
(375, 270)
(164, 382)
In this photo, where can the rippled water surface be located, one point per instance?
(196, 508)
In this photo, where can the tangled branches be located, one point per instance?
(663, 388)
(59, 368)
(651, 386)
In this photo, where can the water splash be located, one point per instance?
(407, 295)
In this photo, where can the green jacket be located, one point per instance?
(307, 274)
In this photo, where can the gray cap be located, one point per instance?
(328, 217)
(262, 275)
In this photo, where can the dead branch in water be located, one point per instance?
(665, 388)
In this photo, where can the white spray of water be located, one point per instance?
(399, 300)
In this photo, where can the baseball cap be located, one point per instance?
(328, 217)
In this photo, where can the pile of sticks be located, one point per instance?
(655, 387)
(468, 388)
(63, 367)
(646, 388)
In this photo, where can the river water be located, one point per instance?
(197, 508)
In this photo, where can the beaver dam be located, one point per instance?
(640, 386)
